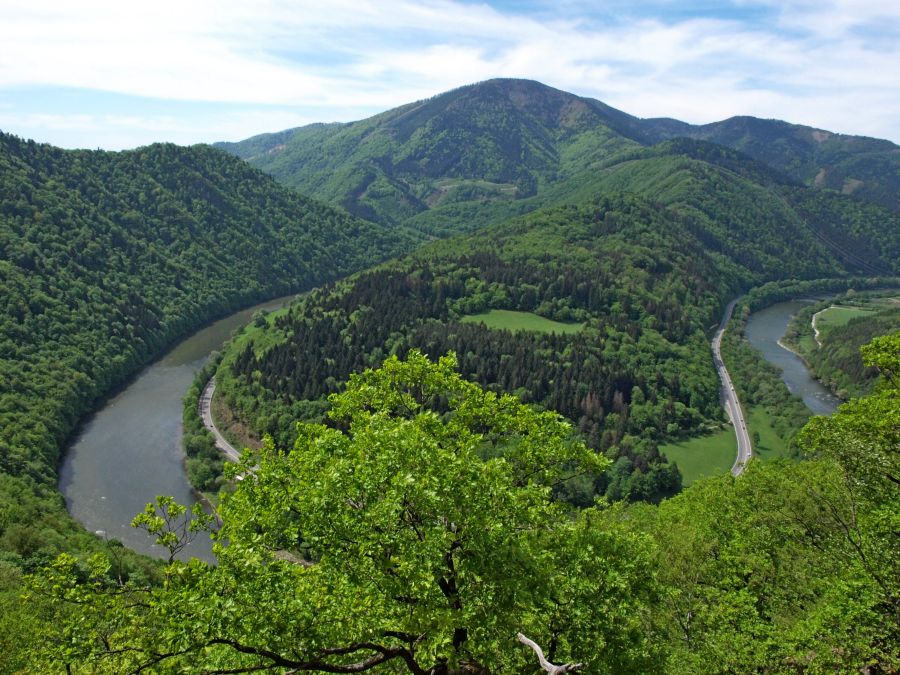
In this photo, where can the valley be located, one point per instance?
(518, 281)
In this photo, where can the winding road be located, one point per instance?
(732, 404)
(730, 400)
(206, 415)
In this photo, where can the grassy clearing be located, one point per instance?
(504, 319)
(807, 344)
(262, 337)
(839, 315)
(703, 455)
(770, 444)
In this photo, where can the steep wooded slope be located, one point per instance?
(647, 275)
(105, 258)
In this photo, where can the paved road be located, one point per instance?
(206, 415)
(732, 404)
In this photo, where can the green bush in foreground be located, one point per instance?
(416, 533)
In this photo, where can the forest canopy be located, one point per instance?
(418, 530)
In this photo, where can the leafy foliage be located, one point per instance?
(417, 531)
(428, 517)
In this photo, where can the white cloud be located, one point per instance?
(812, 64)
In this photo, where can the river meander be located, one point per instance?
(764, 329)
(130, 450)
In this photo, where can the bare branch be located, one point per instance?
(545, 664)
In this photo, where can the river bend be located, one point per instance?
(130, 450)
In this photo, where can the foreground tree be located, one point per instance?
(415, 532)
(793, 567)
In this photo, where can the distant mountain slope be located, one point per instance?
(107, 257)
(769, 224)
(479, 151)
(501, 140)
(868, 168)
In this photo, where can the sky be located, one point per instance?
(123, 73)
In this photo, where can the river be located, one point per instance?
(764, 329)
(130, 450)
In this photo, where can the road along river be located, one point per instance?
(730, 398)
(764, 329)
(130, 450)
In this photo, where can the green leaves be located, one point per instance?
(172, 525)
(420, 531)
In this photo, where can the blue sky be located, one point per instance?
(114, 74)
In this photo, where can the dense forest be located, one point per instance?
(106, 258)
(643, 279)
(416, 532)
(528, 369)
(627, 378)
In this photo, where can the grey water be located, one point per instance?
(764, 329)
(130, 450)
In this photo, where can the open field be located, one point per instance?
(839, 315)
(703, 455)
(262, 337)
(770, 444)
(504, 319)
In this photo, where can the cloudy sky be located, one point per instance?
(122, 73)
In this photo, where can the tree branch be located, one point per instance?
(545, 664)
(381, 655)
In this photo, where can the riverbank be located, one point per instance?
(130, 450)
(829, 334)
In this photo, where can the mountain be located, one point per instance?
(630, 226)
(488, 151)
(868, 168)
(502, 140)
(106, 258)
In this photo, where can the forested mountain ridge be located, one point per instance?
(868, 168)
(645, 246)
(105, 258)
(498, 141)
(491, 150)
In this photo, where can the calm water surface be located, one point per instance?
(764, 329)
(130, 450)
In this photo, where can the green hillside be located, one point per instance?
(647, 277)
(499, 141)
(868, 168)
(105, 259)
(649, 245)
(485, 152)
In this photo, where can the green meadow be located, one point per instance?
(703, 455)
(505, 319)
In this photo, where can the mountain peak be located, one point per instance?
(506, 139)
